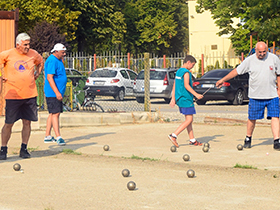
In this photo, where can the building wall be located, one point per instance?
(203, 39)
(8, 30)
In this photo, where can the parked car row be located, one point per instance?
(121, 82)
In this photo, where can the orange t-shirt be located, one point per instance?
(19, 71)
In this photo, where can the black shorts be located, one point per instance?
(21, 109)
(54, 105)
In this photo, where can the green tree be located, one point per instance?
(260, 16)
(51, 11)
(44, 36)
(100, 24)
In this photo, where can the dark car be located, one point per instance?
(75, 76)
(235, 90)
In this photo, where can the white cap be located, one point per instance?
(58, 47)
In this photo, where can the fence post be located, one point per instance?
(202, 64)
(242, 56)
(94, 62)
(274, 47)
(146, 82)
(128, 60)
(164, 61)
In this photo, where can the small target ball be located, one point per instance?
(190, 173)
(173, 149)
(106, 147)
(206, 144)
(205, 149)
(125, 172)
(131, 185)
(186, 157)
(240, 147)
(16, 167)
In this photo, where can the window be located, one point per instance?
(124, 74)
(132, 75)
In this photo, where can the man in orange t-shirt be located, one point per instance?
(22, 66)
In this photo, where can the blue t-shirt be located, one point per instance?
(55, 66)
(183, 97)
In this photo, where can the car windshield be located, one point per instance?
(104, 73)
(154, 75)
(216, 74)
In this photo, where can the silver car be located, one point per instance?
(108, 81)
(161, 83)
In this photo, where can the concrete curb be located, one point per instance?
(74, 119)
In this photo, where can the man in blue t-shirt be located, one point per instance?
(55, 85)
(182, 95)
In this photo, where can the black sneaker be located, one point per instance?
(24, 153)
(3, 155)
(247, 143)
(276, 144)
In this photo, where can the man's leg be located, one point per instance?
(26, 130)
(55, 124)
(49, 125)
(250, 129)
(6, 134)
(5, 137)
(25, 134)
(275, 127)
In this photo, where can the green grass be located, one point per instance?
(237, 165)
(30, 149)
(141, 158)
(70, 151)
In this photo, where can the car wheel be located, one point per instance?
(238, 98)
(140, 100)
(200, 102)
(120, 95)
(167, 100)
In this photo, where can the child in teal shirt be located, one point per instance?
(182, 95)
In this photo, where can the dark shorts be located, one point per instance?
(21, 109)
(257, 107)
(187, 110)
(54, 105)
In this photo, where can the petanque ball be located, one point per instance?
(186, 157)
(106, 147)
(190, 173)
(131, 185)
(205, 149)
(206, 144)
(16, 167)
(125, 172)
(240, 147)
(173, 148)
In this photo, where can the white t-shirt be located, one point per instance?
(262, 80)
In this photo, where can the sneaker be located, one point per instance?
(24, 153)
(46, 140)
(276, 144)
(247, 143)
(196, 143)
(173, 140)
(60, 142)
(3, 155)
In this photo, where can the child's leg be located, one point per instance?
(190, 131)
(184, 125)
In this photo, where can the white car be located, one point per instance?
(109, 81)
(161, 84)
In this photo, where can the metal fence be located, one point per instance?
(86, 64)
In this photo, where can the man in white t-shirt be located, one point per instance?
(264, 69)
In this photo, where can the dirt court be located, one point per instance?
(53, 180)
